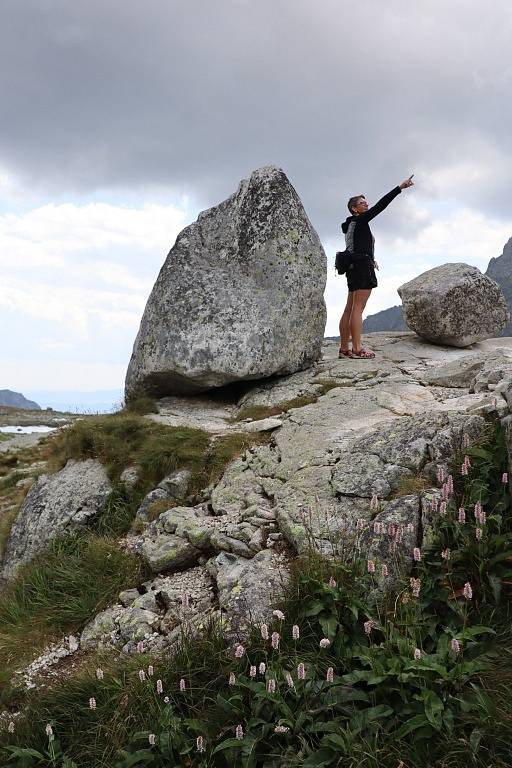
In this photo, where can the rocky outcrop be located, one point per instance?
(240, 295)
(500, 270)
(455, 305)
(356, 468)
(391, 319)
(17, 400)
(154, 616)
(56, 504)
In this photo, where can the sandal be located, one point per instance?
(363, 354)
(344, 353)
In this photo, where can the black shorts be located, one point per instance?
(361, 276)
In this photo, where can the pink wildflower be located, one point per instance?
(159, 686)
(150, 671)
(410, 528)
(455, 645)
(434, 503)
(374, 502)
(445, 491)
(324, 642)
(368, 626)
(462, 515)
(281, 729)
(464, 470)
(504, 478)
(332, 582)
(465, 440)
(478, 510)
(252, 672)
(152, 739)
(383, 570)
(417, 554)
(166, 699)
(140, 646)
(446, 554)
(232, 679)
(49, 732)
(264, 631)
(371, 566)
(289, 680)
(467, 461)
(99, 674)
(330, 675)
(239, 732)
(478, 533)
(271, 685)
(275, 640)
(262, 668)
(183, 684)
(295, 632)
(92, 703)
(440, 475)
(417, 654)
(279, 615)
(442, 508)
(239, 651)
(11, 727)
(449, 484)
(467, 591)
(142, 675)
(415, 587)
(301, 671)
(200, 744)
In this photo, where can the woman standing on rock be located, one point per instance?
(361, 273)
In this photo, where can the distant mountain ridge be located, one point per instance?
(17, 400)
(499, 269)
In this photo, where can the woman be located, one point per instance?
(361, 277)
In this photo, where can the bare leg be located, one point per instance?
(345, 323)
(356, 318)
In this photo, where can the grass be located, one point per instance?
(95, 740)
(3, 437)
(123, 439)
(7, 518)
(8, 482)
(411, 485)
(141, 405)
(59, 592)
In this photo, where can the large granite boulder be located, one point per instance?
(240, 295)
(455, 305)
(56, 504)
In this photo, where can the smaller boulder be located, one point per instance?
(455, 305)
(168, 553)
(55, 505)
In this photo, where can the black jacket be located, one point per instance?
(358, 236)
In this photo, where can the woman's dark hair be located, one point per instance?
(353, 201)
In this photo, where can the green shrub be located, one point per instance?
(59, 592)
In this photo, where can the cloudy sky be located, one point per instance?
(122, 119)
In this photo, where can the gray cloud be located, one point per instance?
(192, 95)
